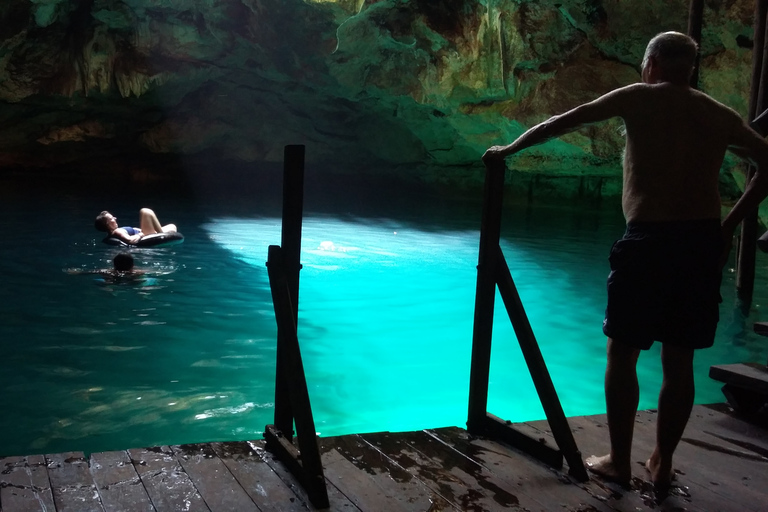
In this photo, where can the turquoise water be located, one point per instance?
(385, 320)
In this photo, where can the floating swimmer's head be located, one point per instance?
(123, 262)
(104, 220)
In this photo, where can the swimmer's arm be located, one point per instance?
(75, 271)
(125, 237)
(613, 104)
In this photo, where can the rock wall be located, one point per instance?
(414, 88)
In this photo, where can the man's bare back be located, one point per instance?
(676, 141)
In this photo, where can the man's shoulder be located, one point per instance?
(627, 89)
(627, 94)
(724, 112)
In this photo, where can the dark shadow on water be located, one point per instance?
(52, 320)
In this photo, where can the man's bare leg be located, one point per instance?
(622, 394)
(675, 404)
(150, 225)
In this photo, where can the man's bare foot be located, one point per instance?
(604, 468)
(660, 477)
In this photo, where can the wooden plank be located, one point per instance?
(167, 485)
(749, 376)
(762, 327)
(24, 484)
(338, 501)
(592, 435)
(693, 487)
(459, 479)
(501, 431)
(374, 482)
(214, 482)
(721, 419)
(71, 483)
(706, 476)
(536, 486)
(719, 465)
(246, 462)
(118, 483)
(592, 438)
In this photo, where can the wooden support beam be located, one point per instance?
(746, 388)
(288, 454)
(485, 294)
(745, 269)
(561, 431)
(498, 429)
(293, 212)
(745, 375)
(305, 462)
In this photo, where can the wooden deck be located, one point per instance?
(722, 461)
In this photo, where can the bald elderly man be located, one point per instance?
(665, 272)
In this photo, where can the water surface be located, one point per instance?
(385, 321)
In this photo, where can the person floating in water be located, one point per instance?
(107, 222)
(123, 268)
(123, 262)
(665, 274)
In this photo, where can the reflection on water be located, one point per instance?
(385, 322)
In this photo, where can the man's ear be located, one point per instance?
(652, 70)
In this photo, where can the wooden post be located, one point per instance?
(485, 295)
(291, 394)
(695, 21)
(304, 463)
(745, 270)
(492, 270)
(293, 211)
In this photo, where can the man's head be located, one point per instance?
(106, 222)
(123, 262)
(670, 57)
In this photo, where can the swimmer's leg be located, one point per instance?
(150, 225)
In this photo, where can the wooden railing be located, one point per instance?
(492, 271)
(291, 395)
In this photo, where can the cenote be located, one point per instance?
(385, 320)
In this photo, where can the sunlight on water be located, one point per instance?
(385, 318)
(385, 322)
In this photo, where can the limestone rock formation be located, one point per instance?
(417, 88)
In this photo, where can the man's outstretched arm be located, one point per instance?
(605, 107)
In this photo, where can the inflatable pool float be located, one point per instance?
(155, 240)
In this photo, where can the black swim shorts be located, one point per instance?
(664, 284)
